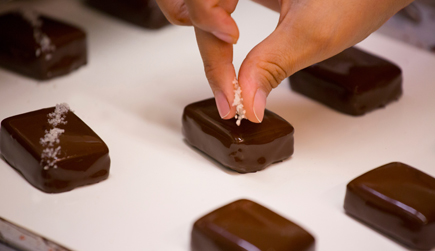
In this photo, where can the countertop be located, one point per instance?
(132, 93)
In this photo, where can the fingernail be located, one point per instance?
(259, 104)
(224, 37)
(222, 104)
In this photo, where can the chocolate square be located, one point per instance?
(82, 159)
(353, 82)
(249, 147)
(40, 47)
(398, 200)
(246, 225)
(144, 13)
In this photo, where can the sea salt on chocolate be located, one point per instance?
(51, 138)
(54, 150)
(238, 102)
(250, 147)
(40, 47)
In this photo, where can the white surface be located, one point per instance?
(132, 93)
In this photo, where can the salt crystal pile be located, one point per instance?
(51, 137)
(41, 38)
(238, 102)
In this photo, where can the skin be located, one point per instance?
(308, 32)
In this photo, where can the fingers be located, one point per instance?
(175, 11)
(294, 45)
(217, 57)
(308, 31)
(214, 16)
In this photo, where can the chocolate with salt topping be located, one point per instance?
(352, 82)
(246, 225)
(40, 47)
(55, 152)
(144, 13)
(398, 200)
(249, 147)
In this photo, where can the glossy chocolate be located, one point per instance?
(144, 13)
(398, 200)
(21, 52)
(246, 225)
(84, 157)
(353, 82)
(249, 147)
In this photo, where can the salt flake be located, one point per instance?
(238, 102)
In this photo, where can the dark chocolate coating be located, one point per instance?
(18, 47)
(352, 82)
(84, 157)
(249, 147)
(398, 200)
(144, 13)
(245, 225)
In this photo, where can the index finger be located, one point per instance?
(218, 65)
(214, 16)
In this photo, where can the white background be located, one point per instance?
(132, 93)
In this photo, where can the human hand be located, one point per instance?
(308, 32)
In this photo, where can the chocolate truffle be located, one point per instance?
(353, 82)
(398, 200)
(246, 225)
(40, 47)
(249, 147)
(54, 150)
(144, 13)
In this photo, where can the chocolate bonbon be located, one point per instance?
(144, 13)
(353, 82)
(249, 147)
(398, 200)
(54, 150)
(246, 225)
(40, 47)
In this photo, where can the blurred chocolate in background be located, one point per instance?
(414, 24)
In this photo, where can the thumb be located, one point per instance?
(266, 66)
(308, 32)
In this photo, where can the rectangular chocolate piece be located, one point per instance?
(352, 82)
(398, 200)
(246, 225)
(249, 147)
(40, 47)
(52, 158)
(144, 13)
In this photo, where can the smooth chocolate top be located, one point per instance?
(83, 158)
(205, 113)
(400, 189)
(144, 13)
(355, 70)
(246, 225)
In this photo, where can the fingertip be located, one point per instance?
(222, 104)
(255, 90)
(259, 105)
(225, 37)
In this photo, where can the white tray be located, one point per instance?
(132, 94)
